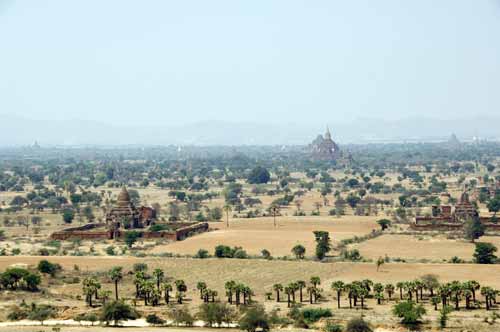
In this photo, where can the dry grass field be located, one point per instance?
(420, 247)
(260, 275)
(259, 233)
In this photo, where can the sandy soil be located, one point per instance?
(420, 247)
(259, 233)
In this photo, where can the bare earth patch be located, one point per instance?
(259, 233)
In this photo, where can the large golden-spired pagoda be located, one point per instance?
(324, 148)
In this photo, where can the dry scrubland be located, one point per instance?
(253, 235)
(260, 275)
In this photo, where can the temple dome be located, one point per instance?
(124, 197)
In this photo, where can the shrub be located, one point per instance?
(140, 267)
(110, 250)
(409, 312)
(202, 253)
(44, 252)
(254, 318)
(332, 327)
(153, 319)
(266, 254)
(216, 313)
(181, 316)
(117, 311)
(358, 325)
(44, 266)
(87, 317)
(240, 253)
(131, 237)
(312, 315)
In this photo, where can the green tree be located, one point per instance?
(494, 205)
(323, 244)
(299, 251)
(473, 229)
(485, 253)
(68, 215)
(259, 175)
(44, 266)
(384, 223)
(131, 238)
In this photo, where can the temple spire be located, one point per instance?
(328, 135)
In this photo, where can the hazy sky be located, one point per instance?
(173, 62)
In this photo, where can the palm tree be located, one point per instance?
(400, 285)
(489, 294)
(311, 290)
(167, 288)
(229, 286)
(362, 293)
(115, 274)
(444, 292)
(275, 209)
(180, 296)
(155, 296)
(389, 288)
(349, 289)
(201, 286)
(468, 295)
(90, 286)
(473, 286)
(139, 278)
(435, 301)
(338, 286)
(278, 288)
(456, 291)
(288, 292)
(147, 287)
(239, 289)
(315, 281)
(301, 284)
(227, 208)
(378, 288)
(419, 286)
(159, 275)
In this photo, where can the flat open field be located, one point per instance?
(259, 233)
(420, 247)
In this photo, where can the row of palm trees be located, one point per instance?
(151, 288)
(418, 290)
(313, 291)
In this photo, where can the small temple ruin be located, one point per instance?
(447, 217)
(126, 215)
(123, 217)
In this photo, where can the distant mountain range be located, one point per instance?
(16, 131)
